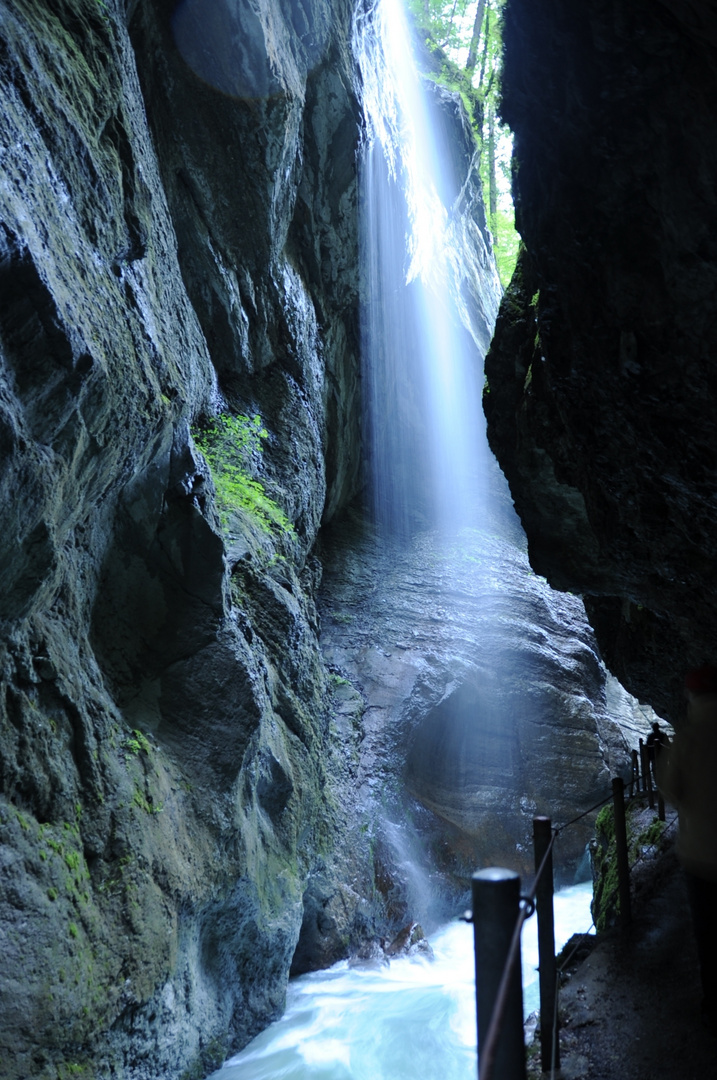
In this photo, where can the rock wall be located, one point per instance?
(169, 246)
(602, 389)
(484, 700)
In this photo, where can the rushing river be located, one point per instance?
(412, 1018)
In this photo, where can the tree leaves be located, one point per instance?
(469, 33)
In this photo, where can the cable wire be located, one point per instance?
(526, 910)
(585, 813)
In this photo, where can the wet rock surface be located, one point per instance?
(163, 722)
(194, 788)
(179, 820)
(256, 125)
(444, 641)
(411, 941)
(602, 391)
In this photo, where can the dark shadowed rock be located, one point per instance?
(602, 389)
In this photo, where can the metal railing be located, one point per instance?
(499, 911)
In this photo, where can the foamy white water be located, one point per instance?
(572, 916)
(414, 1018)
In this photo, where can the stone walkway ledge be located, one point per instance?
(631, 1010)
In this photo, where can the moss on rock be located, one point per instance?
(644, 830)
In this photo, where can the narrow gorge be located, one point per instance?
(248, 727)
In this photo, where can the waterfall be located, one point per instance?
(430, 293)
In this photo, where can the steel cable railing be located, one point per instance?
(488, 1052)
(527, 907)
(569, 956)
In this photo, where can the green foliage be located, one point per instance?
(231, 446)
(72, 858)
(605, 823)
(71, 1070)
(139, 800)
(448, 24)
(434, 18)
(137, 743)
(606, 898)
(470, 62)
(506, 242)
(651, 835)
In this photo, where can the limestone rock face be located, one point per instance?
(256, 126)
(602, 388)
(484, 698)
(170, 243)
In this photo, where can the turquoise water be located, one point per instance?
(412, 1018)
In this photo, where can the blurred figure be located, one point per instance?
(654, 744)
(687, 777)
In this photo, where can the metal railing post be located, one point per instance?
(547, 972)
(496, 906)
(623, 865)
(643, 763)
(648, 777)
(635, 773)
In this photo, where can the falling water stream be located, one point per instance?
(427, 322)
(427, 311)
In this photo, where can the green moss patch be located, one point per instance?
(606, 899)
(231, 446)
